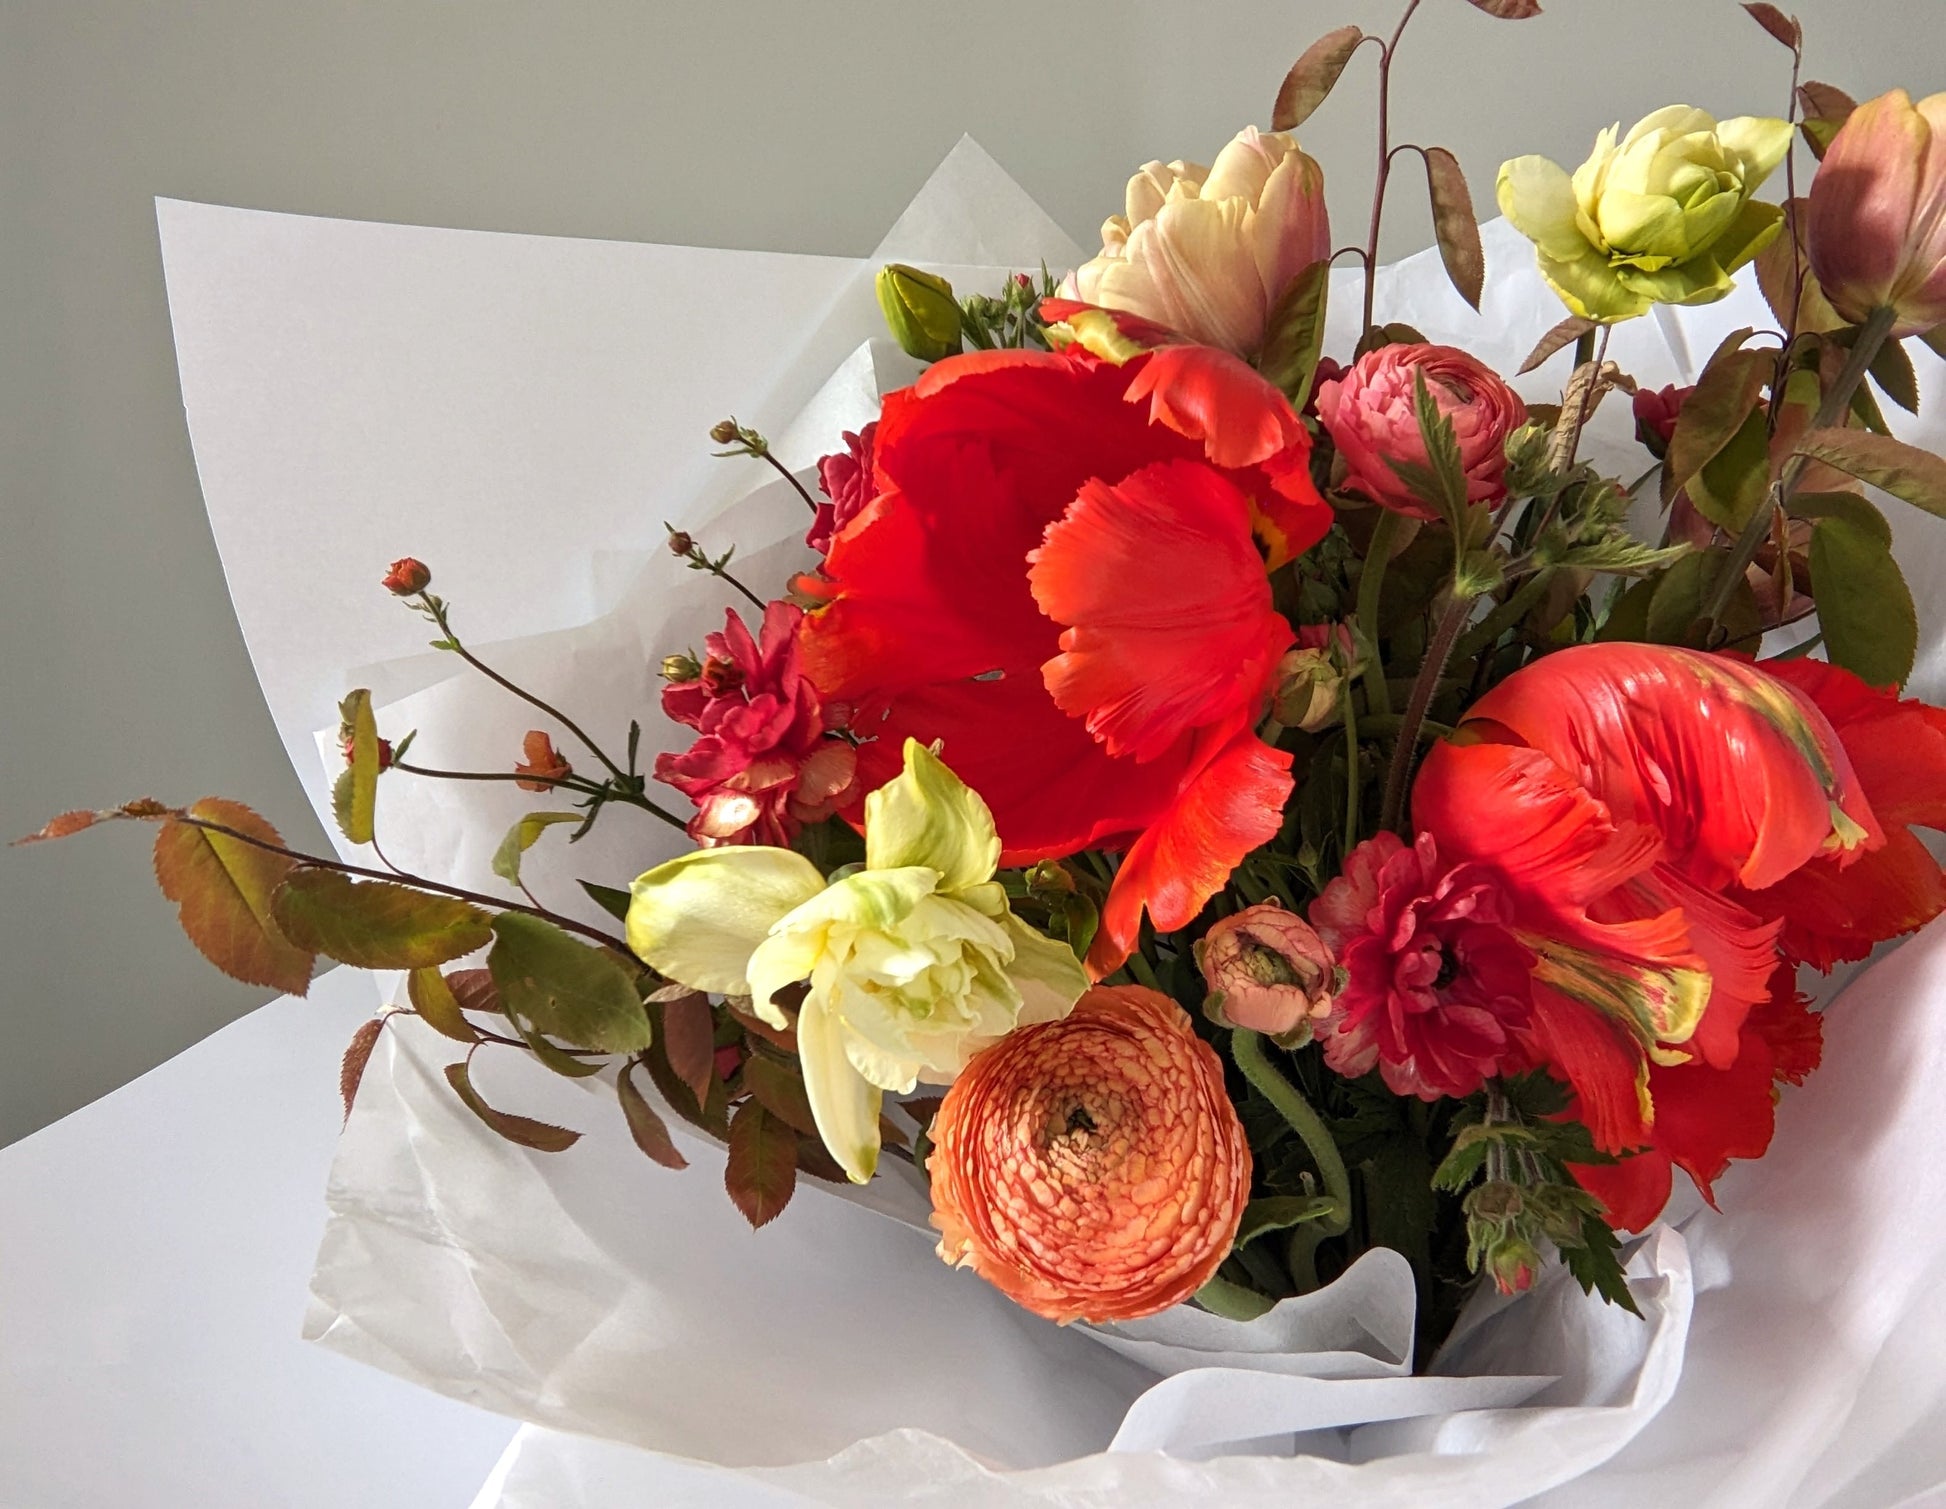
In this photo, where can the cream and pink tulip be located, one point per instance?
(1877, 217)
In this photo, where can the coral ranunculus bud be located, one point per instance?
(1372, 416)
(1208, 252)
(407, 577)
(1663, 216)
(920, 311)
(1877, 218)
(1269, 971)
(1092, 1168)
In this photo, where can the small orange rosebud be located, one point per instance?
(544, 765)
(407, 578)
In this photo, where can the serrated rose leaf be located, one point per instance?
(1313, 76)
(61, 827)
(1864, 606)
(689, 1038)
(650, 1131)
(1905, 471)
(222, 887)
(611, 900)
(1784, 28)
(354, 798)
(1508, 10)
(781, 1091)
(539, 1135)
(761, 1172)
(1727, 392)
(578, 994)
(1559, 338)
(558, 1060)
(376, 924)
(475, 991)
(432, 997)
(1892, 370)
(358, 1053)
(521, 837)
(1455, 226)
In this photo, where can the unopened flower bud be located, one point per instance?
(920, 311)
(1311, 678)
(724, 432)
(407, 578)
(680, 669)
(1273, 972)
(544, 763)
(1511, 1261)
(384, 750)
(1656, 413)
(680, 543)
(1527, 465)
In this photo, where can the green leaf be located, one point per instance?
(1290, 359)
(524, 1130)
(1732, 485)
(354, 798)
(1233, 1301)
(1825, 109)
(1442, 482)
(1620, 553)
(611, 899)
(554, 1058)
(1597, 1265)
(569, 990)
(1675, 613)
(1455, 227)
(375, 924)
(1313, 76)
(1892, 370)
(438, 1007)
(1628, 614)
(1864, 606)
(1280, 1213)
(224, 888)
(650, 1131)
(761, 1172)
(1858, 512)
(1905, 471)
(1729, 389)
(521, 837)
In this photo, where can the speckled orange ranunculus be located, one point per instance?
(1092, 1168)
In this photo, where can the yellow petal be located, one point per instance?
(844, 1103)
(1538, 197)
(1759, 142)
(928, 816)
(698, 918)
(1048, 976)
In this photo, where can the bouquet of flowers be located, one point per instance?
(1210, 808)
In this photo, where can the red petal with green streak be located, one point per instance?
(1234, 804)
(1144, 668)
(1735, 770)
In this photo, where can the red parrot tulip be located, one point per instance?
(1639, 801)
(1063, 576)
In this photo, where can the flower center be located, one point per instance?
(1449, 968)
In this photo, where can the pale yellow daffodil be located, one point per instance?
(915, 961)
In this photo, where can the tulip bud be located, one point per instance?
(407, 578)
(1269, 971)
(1876, 222)
(679, 670)
(920, 311)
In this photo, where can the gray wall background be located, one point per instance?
(736, 123)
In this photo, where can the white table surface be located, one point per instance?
(154, 1253)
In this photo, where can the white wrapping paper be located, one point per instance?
(524, 414)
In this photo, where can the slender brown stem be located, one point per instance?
(791, 477)
(607, 792)
(1458, 610)
(437, 611)
(1588, 395)
(418, 882)
(1384, 161)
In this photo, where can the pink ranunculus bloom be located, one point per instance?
(844, 477)
(1436, 985)
(1273, 972)
(1876, 224)
(1370, 414)
(765, 764)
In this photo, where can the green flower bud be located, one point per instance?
(920, 311)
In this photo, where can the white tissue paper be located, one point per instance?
(525, 413)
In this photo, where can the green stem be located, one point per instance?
(1487, 632)
(1353, 796)
(1837, 399)
(1247, 1048)
(1438, 653)
(1371, 582)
